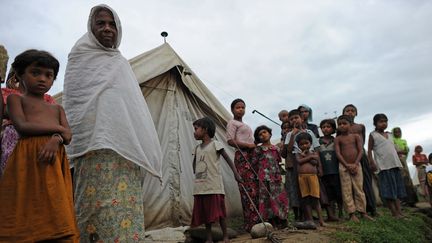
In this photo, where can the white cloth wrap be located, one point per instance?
(105, 106)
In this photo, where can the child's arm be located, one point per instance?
(237, 144)
(372, 163)
(16, 114)
(359, 149)
(338, 152)
(320, 168)
(304, 159)
(291, 136)
(231, 165)
(67, 133)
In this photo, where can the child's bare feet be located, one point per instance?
(354, 218)
(332, 219)
(366, 216)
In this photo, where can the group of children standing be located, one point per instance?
(330, 172)
(324, 171)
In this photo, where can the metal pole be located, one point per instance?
(265, 117)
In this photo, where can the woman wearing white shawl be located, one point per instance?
(113, 134)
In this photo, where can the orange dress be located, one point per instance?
(36, 197)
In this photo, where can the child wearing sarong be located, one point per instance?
(9, 136)
(240, 136)
(209, 194)
(36, 188)
(387, 163)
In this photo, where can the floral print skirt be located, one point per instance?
(108, 198)
(248, 189)
(8, 141)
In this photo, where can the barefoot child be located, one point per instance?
(209, 202)
(309, 167)
(330, 164)
(402, 150)
(348, 148)
(358, 128)
(420, 161)
(273, 200)
(240, 136)
(387, 162)
(291, 174)
(36, 188)
(289, 150)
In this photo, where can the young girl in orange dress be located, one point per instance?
(36, 188)
(9, 137)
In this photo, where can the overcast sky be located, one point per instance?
(273, 54)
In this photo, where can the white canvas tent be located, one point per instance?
(176, 97)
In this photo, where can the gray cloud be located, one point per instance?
(274, 54)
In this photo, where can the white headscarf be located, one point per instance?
(104, 103)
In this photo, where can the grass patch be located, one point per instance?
(386, 229)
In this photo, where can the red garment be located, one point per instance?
(419, 159)
(208, 208)
(249, 198)
(272, 196)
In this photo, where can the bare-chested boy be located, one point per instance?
(358, 128)
(289, 149)
(309, 167)
(348, 148)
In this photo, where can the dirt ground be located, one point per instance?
(320, 235)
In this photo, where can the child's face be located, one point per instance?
(239, 109)
(283, 116)
(264, 136)
(350, 111)
(199, 132)
(343, 126)
(397, 133)
(327, 129)
(381, 124)
(304, 144)
(296, 121)
(418, 149)
(37, 80)
(304, 113)
(285, 128)
(104, 28)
